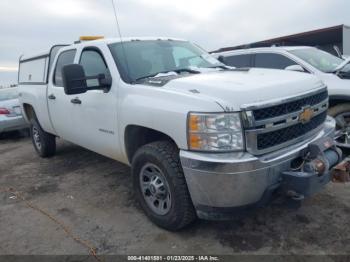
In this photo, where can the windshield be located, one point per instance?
(148, 58)
(8, 94)
(322, 60)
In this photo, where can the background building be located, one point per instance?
(325, 39)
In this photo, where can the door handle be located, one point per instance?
(76, 101)
(52, 97)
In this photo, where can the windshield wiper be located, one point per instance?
(219, 66)
(188, 70)
(178, 71)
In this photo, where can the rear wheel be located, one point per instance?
(341, 114)
(161, 187)
(44, 143)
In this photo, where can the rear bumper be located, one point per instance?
(12, 123)
(220, 184)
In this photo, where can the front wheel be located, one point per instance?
(161, 187)
(341, 114)
(43, 142)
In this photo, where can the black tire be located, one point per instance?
(44, 143)
(165, 156)
(341, 113)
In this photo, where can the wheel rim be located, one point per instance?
(342, 134)
(36, 138)
(155, 189)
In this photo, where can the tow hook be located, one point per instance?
(314, 172)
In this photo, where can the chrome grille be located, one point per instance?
(280, 136)
(290, 107)
(271, 126)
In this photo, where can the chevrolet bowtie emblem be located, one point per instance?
(306, 115)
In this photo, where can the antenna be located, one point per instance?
(120, 36)
(116, 20)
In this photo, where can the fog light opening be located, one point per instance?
(297, 164)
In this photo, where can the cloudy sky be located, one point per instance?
(32, 26)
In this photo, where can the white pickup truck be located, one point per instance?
(203, 140)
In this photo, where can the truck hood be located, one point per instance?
(234, 89)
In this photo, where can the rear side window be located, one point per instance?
(65, 58)
(273, 61)
(93, 64)
(238, 60)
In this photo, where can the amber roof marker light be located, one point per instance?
(90, 38)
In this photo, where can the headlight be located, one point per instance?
(215, 132)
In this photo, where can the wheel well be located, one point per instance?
(333, 101)
(138, 136)
(29, 111)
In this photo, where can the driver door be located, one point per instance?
(95, 113)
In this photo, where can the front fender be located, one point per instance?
(162, 110)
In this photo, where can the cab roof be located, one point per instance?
(125, 39)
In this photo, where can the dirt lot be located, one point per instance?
(92, 195)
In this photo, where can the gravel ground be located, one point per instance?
(92, 195)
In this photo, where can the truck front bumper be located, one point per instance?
(222, 184)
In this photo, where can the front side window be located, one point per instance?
(65, 58)
(273, 61)
(321, 60)
(238, 61)
(93, 64)
(139, 59)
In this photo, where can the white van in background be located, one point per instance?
(332, 70)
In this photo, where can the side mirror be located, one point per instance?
(221, 59)
(74, 79)
(76, 82)
(297, 68)
(345, 73)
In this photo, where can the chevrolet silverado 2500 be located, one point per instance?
(202, 139)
